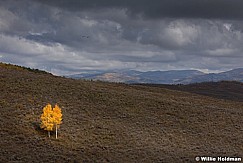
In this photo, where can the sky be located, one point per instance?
(68, 36)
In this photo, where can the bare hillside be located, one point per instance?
(104, 122)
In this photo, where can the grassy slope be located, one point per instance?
(106, 122)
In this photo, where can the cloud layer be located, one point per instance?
(64, 37)
(219, 9)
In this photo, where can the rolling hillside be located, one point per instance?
(106, 122)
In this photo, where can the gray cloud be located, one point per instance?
(67, 36)
(219, 9)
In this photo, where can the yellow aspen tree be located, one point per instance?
(47, 119)
(57, 117)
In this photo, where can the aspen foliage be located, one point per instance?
(51, 118)
(57, 115)
(47, 119)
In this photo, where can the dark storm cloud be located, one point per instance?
(219, 9)
(66, 36)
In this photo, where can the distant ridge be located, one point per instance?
(232, 75)
(161, 77)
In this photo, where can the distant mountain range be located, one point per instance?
(161, 77)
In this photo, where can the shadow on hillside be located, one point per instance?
(226, 90)
(37, 128)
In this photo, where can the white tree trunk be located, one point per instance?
(49, 134)
(56, 131)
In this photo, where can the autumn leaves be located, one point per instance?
(51, 118)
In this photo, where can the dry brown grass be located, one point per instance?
(105, 122)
